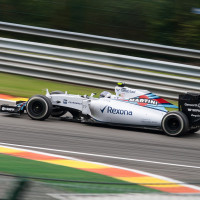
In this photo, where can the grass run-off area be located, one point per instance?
(24, 86)
(29, 168)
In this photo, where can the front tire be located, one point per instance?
(39, 107)
(175, 123)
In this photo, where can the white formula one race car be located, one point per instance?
(128, 107)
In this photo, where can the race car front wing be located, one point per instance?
(19, 108)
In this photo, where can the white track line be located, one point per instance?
(104, 156)
(133, 170)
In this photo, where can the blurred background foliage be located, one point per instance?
(168, 22)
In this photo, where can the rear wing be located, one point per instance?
(189, 104)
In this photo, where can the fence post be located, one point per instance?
(18, 190)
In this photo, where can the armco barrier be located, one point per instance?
(94, 68)
(80, 37)
(101, 57)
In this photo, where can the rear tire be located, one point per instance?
(39, 107)
(175, 124)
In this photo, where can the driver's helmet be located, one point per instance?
(105, 94)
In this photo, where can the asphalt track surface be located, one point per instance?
(149, 151)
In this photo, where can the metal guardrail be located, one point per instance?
(108, 41)
(95, 69)
(101, 57)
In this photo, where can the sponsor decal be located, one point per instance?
(192, 105)
(192, 115)
(127, 90)
(65, 101)
(193, 110)
(73, 102)
(102, 110)
(144, 101)
(115, 111)
(7, 109)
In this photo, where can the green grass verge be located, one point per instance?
(25, 86)
(30, 168)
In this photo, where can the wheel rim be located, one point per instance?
(174, 124)
(37, 108)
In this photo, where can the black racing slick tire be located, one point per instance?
(175, 124)
(39, 107)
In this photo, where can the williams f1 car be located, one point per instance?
(128, 107)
